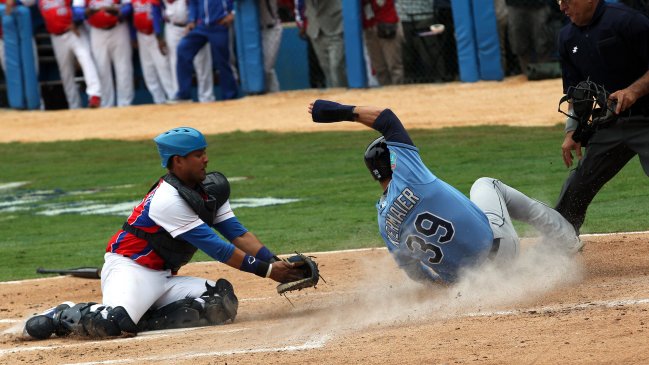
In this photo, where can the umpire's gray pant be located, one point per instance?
(608, 151)
(502, 203)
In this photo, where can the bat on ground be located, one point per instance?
(80, 272)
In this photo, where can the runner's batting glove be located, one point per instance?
(325, 111)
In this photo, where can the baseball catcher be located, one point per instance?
(178, 216)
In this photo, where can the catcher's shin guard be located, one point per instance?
(179, 314)
(106, 321)
(217, 305)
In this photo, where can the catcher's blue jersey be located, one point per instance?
(425, 221)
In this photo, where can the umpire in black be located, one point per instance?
(608, 43)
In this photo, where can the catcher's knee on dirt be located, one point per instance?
(216, 306)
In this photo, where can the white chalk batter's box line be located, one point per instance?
(308, 345)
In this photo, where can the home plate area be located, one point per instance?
(543, 309)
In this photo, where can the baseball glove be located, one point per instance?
(310, 270)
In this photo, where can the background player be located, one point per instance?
(432, 230)
(165, 229)
(620, 37)
(111, 47)
(209, 22)
(69, 41)
(152, 48)
(176, 14)
(271, 37)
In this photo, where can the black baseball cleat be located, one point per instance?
(42, 326)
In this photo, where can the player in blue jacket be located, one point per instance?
(209, 22)
(432, 230)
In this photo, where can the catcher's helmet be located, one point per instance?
(377, 159)
(179, 141)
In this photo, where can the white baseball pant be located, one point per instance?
(502, 203)
(113, 46)
(2, 55)
(155, 68)
(67, 46)
(137, 288)
(271, 39)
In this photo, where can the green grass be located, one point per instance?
(324, 170)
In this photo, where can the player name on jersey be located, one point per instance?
(397, 213)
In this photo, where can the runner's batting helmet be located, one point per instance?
(179, 141)
(377, 159)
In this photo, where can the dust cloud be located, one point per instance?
(382, 297)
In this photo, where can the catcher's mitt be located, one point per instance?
(310, 270)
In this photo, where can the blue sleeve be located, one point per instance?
(193, 11)
(156, 11)
(390, 126)
(206, 240)
(78, 13)
(231, 228)
(125, 10)
(230, 6)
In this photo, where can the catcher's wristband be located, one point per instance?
(325, 111)
(258, 267)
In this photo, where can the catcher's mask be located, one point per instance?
(590, 103)
(179, 141)
(377, 159)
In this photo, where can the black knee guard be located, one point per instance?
(216, 306)
(179, 314)
(105, 321)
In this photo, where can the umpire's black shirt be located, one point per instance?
(613, 50)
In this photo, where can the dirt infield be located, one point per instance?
(512, 102)
(545, 309)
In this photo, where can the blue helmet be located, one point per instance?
(179, 141)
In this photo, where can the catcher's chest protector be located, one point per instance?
(214, 192)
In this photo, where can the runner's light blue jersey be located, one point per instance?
(426, 223)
